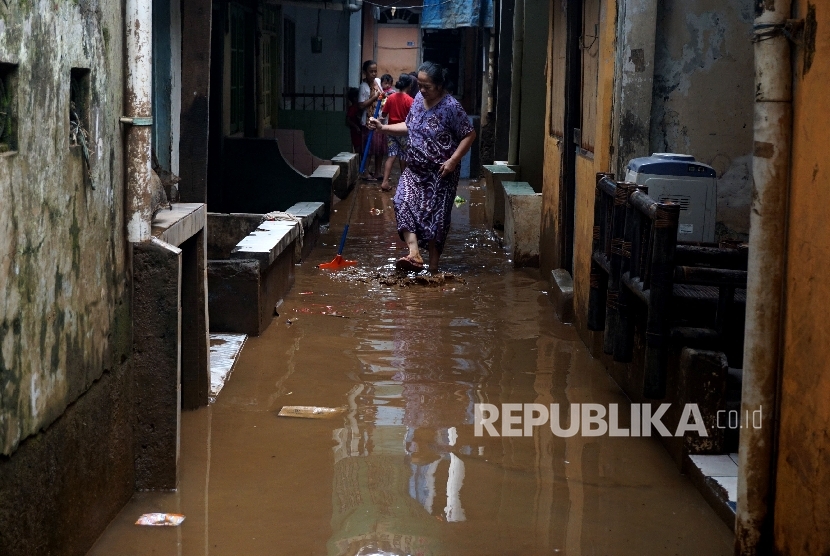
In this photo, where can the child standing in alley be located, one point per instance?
(353, 114)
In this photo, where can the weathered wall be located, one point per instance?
(549, 240)
(703, 96)
(802, 509)
(587, 165)
(329, 68)
(64, 312)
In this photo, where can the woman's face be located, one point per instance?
(371, 73)
(429, 90)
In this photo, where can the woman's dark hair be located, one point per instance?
(436, 74)
(413, 87)
(386, 78)
(366, 65)
(404, 82)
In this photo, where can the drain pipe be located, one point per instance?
(765, 285)
(516, 81)
(138, 109)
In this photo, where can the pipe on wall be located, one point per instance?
(138, 113)
(765, 286)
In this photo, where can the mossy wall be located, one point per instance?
(64, 301)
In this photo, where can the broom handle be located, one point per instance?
(348, 221)
(368, 142)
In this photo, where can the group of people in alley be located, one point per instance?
(427, 131)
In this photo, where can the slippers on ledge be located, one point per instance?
(409, 264)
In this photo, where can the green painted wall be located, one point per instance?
(326, 133)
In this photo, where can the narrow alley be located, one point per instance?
(399, 469)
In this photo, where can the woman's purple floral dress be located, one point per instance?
(423, 201)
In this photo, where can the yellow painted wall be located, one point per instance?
(587, 168)
(549, 241)
(802, 505)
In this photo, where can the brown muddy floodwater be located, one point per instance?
(400, 470)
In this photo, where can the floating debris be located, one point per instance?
(391, 277)
(306, 293)
(311, 411)
(459, 201)
(163, 520)
(376, 211)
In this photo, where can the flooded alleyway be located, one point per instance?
(399, 470)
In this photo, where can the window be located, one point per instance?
(266, 80)
(270, 28)
(289, 74)
(237, 68)
(8, 108)
(79, 109)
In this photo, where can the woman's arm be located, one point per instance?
(368, 102)
(398, 130)
(452, 162)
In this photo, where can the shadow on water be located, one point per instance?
(401, 471)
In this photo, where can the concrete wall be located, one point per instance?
(534, 93)
(330, 67)
(66, 454)
(64, 313)
(703, 96)
(802, 508)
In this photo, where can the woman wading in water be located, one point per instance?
(440, 135)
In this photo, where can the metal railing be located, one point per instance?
(327, 99)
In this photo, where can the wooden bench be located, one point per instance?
(522, 217)
(634, 268)
(245, 285)
(494, 176)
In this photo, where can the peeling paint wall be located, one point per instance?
(802, 507)
(64, 311)
(703, 96)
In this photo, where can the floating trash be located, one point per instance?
(163, 520)
(306, 293)
(459, 201)
(376, 211)
(311, 411)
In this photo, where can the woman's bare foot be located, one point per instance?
(385, 186)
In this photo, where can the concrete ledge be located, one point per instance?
(310, 213)
(716, 477)
(562, 295)
(522, 222)
(327, 171)
(267, 242)
(348, 163)
(307, 211)
(180, 223)
(225, 230)
(243, 289)
(494, 176)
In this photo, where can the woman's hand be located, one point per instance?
(448, 167)
(374, 123)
